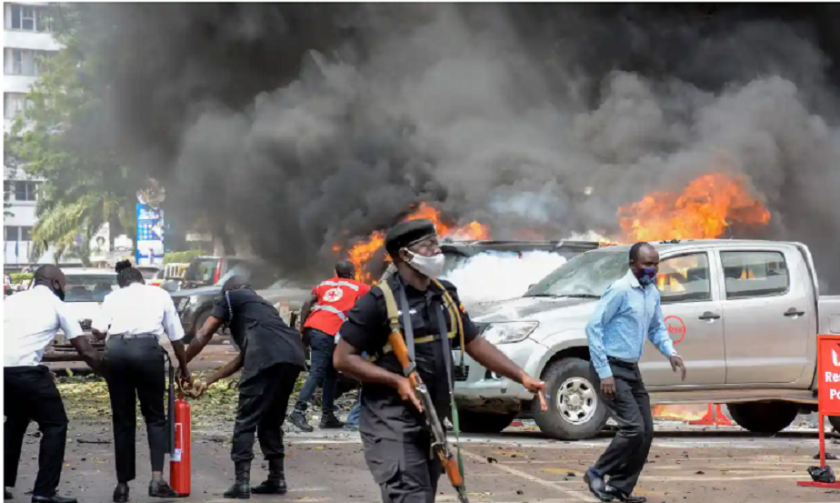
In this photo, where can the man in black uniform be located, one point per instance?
(271, 358)
(396, 439)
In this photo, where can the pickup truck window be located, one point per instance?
(754, 274)
(684, 278)
(587, 275)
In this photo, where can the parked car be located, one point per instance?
(195, 304)
(743, 314)
(85, 291)
(208, 270)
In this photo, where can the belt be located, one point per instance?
(622, 363)
(134, 336)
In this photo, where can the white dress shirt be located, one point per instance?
(139, 309)
(31, 320)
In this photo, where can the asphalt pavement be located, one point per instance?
(687, 465)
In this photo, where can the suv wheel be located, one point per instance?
(764, 417)
(574, 410)
(483, 422)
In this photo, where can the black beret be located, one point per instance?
(407, 233)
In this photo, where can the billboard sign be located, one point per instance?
(149, 235)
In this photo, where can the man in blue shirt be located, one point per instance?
(628, 312)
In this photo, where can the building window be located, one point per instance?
(13, 103)
(23, 62)
(30, 18)
(25, 191)
(11, 233)
(26, 233)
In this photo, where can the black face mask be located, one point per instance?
(59, 292)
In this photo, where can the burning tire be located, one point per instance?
(574, 410)
(483, 422)
(764, 417)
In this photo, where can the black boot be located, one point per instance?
(276, 482)
(241, 489)
(330, 422)
(298, 418)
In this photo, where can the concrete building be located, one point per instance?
(27, 38)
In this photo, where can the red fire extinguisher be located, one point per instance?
(179, 440)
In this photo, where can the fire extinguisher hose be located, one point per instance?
(171, 403)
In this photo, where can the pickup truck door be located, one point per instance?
(688, 284)
(768, 313)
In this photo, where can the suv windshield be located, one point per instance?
(202, 269)
(258, 275)
(89, 287)
(587, 275)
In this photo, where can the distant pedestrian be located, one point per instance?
(30, 323)
(322, 317)
(133, 320)
(628, 312)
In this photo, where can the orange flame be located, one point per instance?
(678, 412)
(704, 210)
(361, 253)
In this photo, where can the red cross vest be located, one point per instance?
(336, 296)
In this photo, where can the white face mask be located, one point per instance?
(431, 267)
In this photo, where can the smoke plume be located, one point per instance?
(301, 125)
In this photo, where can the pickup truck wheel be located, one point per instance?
(764, 417)
(483, 422)
(835, 422)
(574, 410)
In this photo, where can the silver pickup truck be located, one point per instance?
(743, 314)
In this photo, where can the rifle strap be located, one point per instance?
(447, 352)
(455, 311)
(394, 322)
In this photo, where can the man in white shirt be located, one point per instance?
(32, 318)
(134, 319)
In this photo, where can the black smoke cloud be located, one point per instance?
(299, 125)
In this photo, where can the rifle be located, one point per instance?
(439, 443)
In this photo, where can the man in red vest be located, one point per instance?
(323, 316)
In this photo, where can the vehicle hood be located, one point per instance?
(294, 296)
(82, 310)
(553, 314)
(205, 290)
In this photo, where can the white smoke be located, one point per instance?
(493, 276)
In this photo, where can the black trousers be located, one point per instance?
(135, 369)
(31, 395)
(262, 410)
(626, 455)
(406, 472)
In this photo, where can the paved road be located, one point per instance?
(687, 466)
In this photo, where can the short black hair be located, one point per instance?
(345, 269)
(636, 249)
(126, 274)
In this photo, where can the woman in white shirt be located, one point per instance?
(134, 319)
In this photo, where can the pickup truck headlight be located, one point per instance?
(509, 332)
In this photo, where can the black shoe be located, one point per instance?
(161, 490)
(121, 493)
(626, 498)
(276, 483)
(330, 422)
(52, 499)
(298, 419)
(241, 489)
(7, 494)
(596, 485)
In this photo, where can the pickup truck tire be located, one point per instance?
(483, 422)
(764, 417)
(835, 422)
(568, 383)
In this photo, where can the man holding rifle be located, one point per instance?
(407, 325)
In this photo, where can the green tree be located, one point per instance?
(61, 138)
